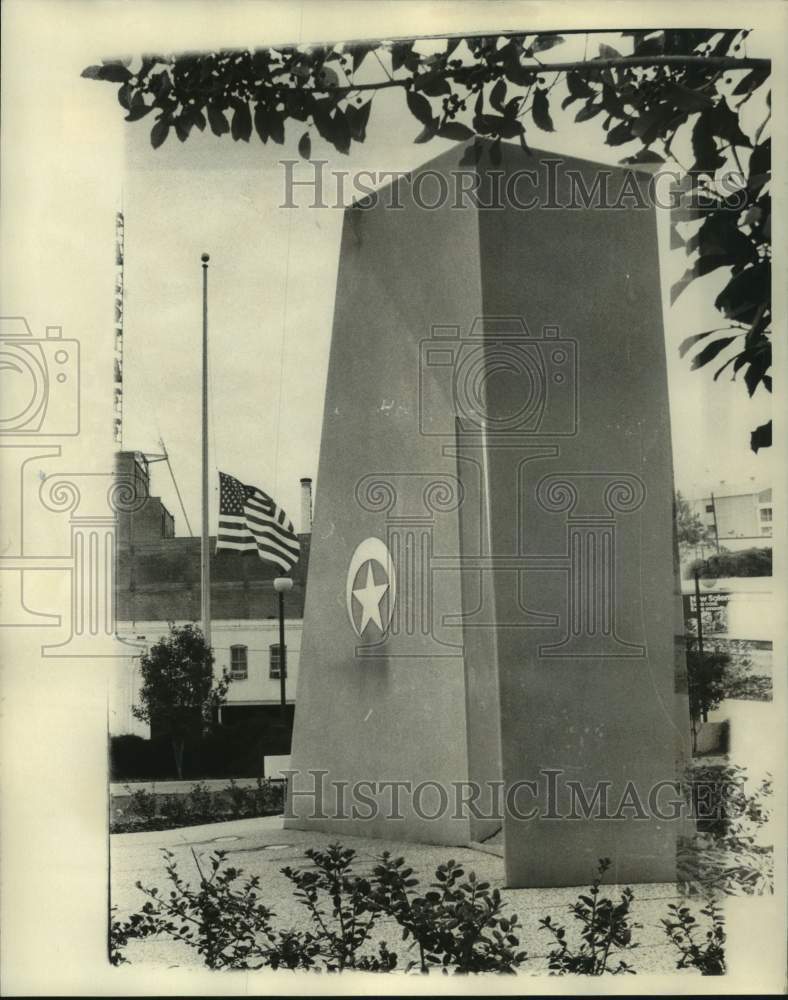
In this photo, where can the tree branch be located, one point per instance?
(713, 62)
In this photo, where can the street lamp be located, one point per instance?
(282, 585)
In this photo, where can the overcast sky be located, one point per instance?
(272, 283)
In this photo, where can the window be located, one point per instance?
(709, 508)
(274, 671)
(766, 513)
(239, 670)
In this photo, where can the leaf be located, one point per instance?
(619, 134)
(305, 146)
(341, 132)
(357, 118)
(761, 437)
(455, 131)
(138, 111)
(358, 52)
(124, 96)
(686, 344)
(182, 128)
(269, 124)
(432, 84)
(760, 165)
(498, 95)
(544, 42)
(159, 132)
(745, 292)
(420, 107)
(113, 72)
(578, 85)
(710, 352)
(684, 281)
(589, 111)
(399, 54)
(242, 123)
(724, 123)
(752, 80)
(704, 148)
(760, 360)
(470, 158)
(216, 120)
(260, 126)
(645, 156)
(540, 110)
(427, 133)
(689, 100)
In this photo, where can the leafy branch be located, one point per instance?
(687, 83)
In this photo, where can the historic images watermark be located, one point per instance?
(551, 796)
(545, 185)
(40, 381)
(39, 404)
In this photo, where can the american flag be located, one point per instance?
(249, 520)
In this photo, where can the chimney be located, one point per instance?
(306, 506)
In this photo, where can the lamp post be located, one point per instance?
(282, 585)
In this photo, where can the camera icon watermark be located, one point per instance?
(500, 378)
(39, 381)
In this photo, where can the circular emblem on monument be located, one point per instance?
(371, 589)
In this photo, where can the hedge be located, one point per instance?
(748, 562)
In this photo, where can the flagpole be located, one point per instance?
(205, 554)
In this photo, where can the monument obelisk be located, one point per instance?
(493, 604)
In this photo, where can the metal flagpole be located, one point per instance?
(205, 554)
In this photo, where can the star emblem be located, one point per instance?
(369, 597)
(363, 596)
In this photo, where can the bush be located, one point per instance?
(723, 857)
(748, 562)
(707, 955)
(606, 929)
(706, 680)
(151, 811)
(457, 924)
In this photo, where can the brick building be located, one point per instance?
(157, 581)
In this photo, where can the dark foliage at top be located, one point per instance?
(693, 84)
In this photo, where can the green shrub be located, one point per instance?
(456, 925)
(748, 562)
(723, 857)
(142, 803)
(606, 930)
(706, 955)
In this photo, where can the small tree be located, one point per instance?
(690, 529)
(178, 689)
(706, 675)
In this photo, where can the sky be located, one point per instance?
(271, 298)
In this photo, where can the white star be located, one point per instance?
(369, 598)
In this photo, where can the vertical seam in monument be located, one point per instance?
(426, 616)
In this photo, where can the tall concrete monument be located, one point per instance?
(492, 631)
